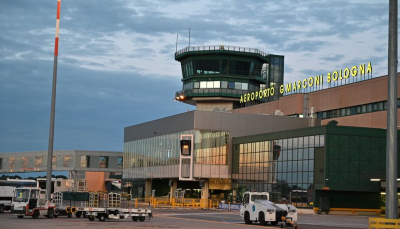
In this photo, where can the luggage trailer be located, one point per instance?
(116, 213)
(113, 206)
(61, 210)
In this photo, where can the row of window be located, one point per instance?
(226, 67)
(361, 109)
(218, 84)
(31, 162)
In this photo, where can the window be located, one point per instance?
(380, 106)
(203, 84)
(369, 107)
(348, 112)
(231, 85)
(120, 162)
(353, 111)
(364, 109)
(103, 162)
(375, 106)
(38, 162)
(343, 112)
(224, 84)
(85, 161)
(196, 85)
(217, 84)
(58, 183)
(238, 86)
(210, 84)
(358, 109)
(246, 198)
(66, 161)
(245, 86)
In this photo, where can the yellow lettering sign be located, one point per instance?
(369, 68)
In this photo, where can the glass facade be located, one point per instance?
(282, 167)
(211, 148)
(221, 66)
(157, 151)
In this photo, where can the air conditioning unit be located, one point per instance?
(278, 112)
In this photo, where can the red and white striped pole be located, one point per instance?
(53, 108)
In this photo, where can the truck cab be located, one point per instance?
(31, 202)
(256, 207)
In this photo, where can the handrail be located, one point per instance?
(220, 48)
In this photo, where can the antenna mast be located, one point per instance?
(176, 46)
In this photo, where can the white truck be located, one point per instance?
(31, 202)
(257, 208)
(6, 195)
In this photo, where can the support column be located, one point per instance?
(173, 189)
(391, 132)
(147, 191)
(75, 180)
(205, 190)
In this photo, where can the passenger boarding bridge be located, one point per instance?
(63, 160)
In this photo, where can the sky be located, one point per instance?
(116, 64)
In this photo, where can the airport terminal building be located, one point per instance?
(323, 136)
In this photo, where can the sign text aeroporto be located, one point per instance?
(310, 82)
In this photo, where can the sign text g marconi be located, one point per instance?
(310, 82)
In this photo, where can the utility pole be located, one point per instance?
(53, 108)
(391, 132)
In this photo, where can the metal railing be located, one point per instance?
(212, 92)
(220, 48)
(377, 223)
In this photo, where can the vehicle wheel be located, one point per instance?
(135, 219)
(142, 218)
(91, 218)
(20, 216)
(1, 208)
(35, 214)
(78, 214)
(121, 217)
(50, 213)
(261, 218)
(102, 218)
(274, 222)
(247, 218)
(55, 215)
(69, 215)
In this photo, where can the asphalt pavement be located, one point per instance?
(181, 218)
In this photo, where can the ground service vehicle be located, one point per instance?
(107, 206)
(257, 208)
(31, 202)
(6, 195)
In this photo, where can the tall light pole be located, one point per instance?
(53, 107)
(391, 132)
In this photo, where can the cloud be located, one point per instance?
(116, 60)
(336, 57)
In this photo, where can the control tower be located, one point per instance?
(215, 77)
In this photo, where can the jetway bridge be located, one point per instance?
(63, 160)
